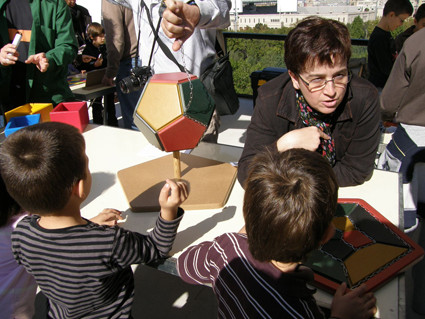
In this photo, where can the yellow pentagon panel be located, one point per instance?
(160, 104)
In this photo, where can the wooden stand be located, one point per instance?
(210, 182)
(176, 165)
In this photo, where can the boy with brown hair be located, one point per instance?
(290, 199)
(381, 46)
(83, 268)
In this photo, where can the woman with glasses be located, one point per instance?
(318, 105)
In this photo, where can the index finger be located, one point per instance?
(171, 5)
(184, 189)
(323, 135)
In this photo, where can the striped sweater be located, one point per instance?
(245, 287)
(85, 270)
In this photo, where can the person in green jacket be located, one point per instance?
(36, 70)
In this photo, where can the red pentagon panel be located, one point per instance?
(181, 134)
(177, 77)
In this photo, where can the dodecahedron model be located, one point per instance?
(173, 112)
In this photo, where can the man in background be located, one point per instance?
(36, 70)
(187, 30)
(121, 45)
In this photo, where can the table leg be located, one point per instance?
(105, 109)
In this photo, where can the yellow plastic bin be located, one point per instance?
(43, 109)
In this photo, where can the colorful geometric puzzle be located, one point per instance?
(173, 112)
(366, 248)
(74, 80)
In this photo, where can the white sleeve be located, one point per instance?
(214, 13)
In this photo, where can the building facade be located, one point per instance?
(268, 15)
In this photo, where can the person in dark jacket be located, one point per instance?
(317, 105)
(81, 18)
(36, 70)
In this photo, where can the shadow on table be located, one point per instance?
(187, 237)
(161, 295)
(103, 181)
(144, 222)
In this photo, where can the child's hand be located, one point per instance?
(107, 217)
(354, 304)
(172, 195)
(98, 62)
(87, 58)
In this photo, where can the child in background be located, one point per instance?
(17, 287)
(82, 268)
(381, 47)
(418, 23)
(290, 199)
(94, 57)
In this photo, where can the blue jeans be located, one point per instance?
(129, 101)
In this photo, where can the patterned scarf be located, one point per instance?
(312, 118)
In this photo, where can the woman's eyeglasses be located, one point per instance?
(340, 80)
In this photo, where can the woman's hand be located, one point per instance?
(307, 138)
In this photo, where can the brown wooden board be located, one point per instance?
(210, 182)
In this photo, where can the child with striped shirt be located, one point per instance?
(83, 268)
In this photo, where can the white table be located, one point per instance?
(111, 149)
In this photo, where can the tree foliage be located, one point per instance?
(249, 55)
(357, 29)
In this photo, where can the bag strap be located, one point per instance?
(161, 44)
(220, 46)
(219, 40)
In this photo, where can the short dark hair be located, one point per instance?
(8, 206)
(420, 12)
(316, 39)
(40, 165)
(398, 7)
(94, 30)
(290, 199)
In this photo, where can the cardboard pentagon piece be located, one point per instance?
(174, 111)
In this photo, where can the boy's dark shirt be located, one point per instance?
(399, 40)
(381, 56)
(93, 51)
(244, 286)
